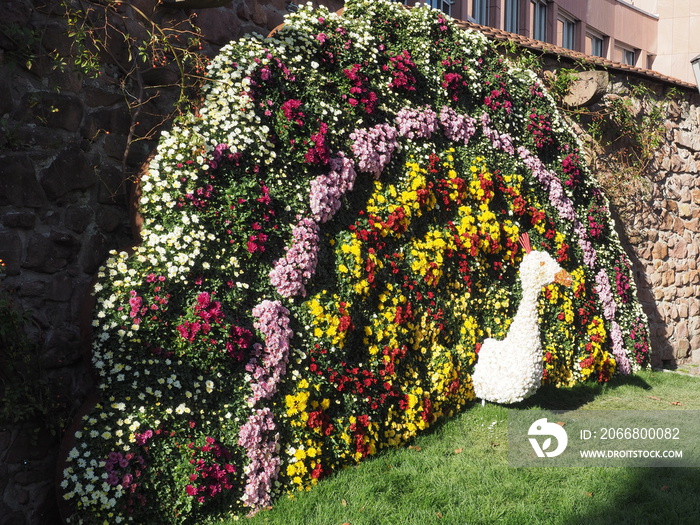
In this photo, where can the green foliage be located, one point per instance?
(25, 392)
(559, 82)
(626, 132)
(101, 32)
(25, 43)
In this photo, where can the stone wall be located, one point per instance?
(68, 163)
(663, 232)
(654, 194)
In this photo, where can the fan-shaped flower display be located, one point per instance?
(326, 246)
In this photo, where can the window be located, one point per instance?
(650, 61)
(443, 5)
(595, 45)
(539, 20)
(480, 12)
(626, 55)
(512, 16)
(566, 29)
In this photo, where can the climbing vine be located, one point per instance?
(623, 133)
(153, 56)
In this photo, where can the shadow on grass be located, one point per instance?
(571, 398)
(642, 496)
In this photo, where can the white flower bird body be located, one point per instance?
(510, 370)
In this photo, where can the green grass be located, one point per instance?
(458, 473)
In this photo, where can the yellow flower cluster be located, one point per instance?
(351, 264)
(383, 331)
(428, 255)
(329, 324)
(304, 461)
(432, 299)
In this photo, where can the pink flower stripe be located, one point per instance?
(373, 147)
(501, 141)
(267, 367)
(416, 123)
(326, 190)
(261, 443)
(457, 128)
(623, 361)
(298, 265)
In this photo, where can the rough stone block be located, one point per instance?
(106, 120)
(94, 253)
(53, 110)
(587, 89)
(659, 251)
(685, 210)
(97, 95)
(695, 195)
(32, 289)
(679, 250)
(37, 252)
(18, 183)
(694, 307)
(670, 293)
(687, 139)
(20, 220)
(681, 329)
(11, 251)
(77, 218)
(222, 25)
(682, 348)
(6, 101)
(110, 218)
(162, 76)
(669, 278)
(60, 288)
(49, 253)
(70, 171)
(693, 225)
(275, 18)
(63, 348)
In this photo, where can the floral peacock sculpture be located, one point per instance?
(327, 244)
(510, 370)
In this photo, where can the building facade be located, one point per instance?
(649, 34)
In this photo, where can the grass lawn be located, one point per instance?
(458, 473)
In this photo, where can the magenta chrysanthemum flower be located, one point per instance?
(458, 128)
(416, 123)
(298, 265)
(373, 147)
(326, 190)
